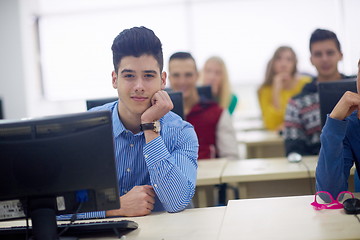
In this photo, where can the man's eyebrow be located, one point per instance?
(150, 71)
(127, 71)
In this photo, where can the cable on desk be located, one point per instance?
(312, 190)
(357, 217)
(72, 219)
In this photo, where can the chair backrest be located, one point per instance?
(331, 92)
(176, 98)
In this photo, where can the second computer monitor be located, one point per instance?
(331, 92)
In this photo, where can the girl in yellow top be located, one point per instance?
(280, 84)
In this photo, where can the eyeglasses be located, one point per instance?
(324, 200)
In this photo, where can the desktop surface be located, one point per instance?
(286, 218)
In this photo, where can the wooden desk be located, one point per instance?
(261, 144)
(285, 218)
(209, 174)
(271, 177)
(190, 224)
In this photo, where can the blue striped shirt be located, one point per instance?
(168, 163)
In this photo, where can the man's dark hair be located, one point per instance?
(322, 35)
(182, 56)
(136, 42)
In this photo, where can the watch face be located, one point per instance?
(157, 126)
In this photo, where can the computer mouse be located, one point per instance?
(294, 157)
(352, 206)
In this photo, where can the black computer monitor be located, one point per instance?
(1, 110)
(176, 98)
(98, 102)
(331, 92)
(55, 165)
(205, 91)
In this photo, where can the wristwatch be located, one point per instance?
(155, 126)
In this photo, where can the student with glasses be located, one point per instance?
(340, 144)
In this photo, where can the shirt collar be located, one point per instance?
(118, 126)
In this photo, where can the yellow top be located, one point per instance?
(273, 118)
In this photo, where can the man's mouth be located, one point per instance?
(139, 98)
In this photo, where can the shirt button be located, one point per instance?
(128, 170)
(146, 155)
(155, 185)
(131, 145)
(125, 191)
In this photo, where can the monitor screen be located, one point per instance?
(56, 163)
(331, 92)
(98, 102)
(205, 91)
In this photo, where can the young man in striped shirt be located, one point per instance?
(156, 151)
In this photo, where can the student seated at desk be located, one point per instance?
(302, 119)
(340, 144)
(213, 124)
(215, 74)
(155, 150)
(282, 82)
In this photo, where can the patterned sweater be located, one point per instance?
(303, 122)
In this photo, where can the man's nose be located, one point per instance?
(139, 86)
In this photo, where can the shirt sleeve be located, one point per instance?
(335, 158)
(87, 215)
(226, 142)
(173, 175)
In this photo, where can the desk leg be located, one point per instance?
(204, 196)
(242, 190)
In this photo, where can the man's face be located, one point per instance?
(213, 75)
(325, 57)
(183, 76)
(137, 80)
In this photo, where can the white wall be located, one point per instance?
(245, 33)
(12, 75)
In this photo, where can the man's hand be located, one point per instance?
(139, 201)
(161, 105)
(348, 103)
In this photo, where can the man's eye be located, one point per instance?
(317, 54)
(149, 76)
(128, 76)
(330, 53)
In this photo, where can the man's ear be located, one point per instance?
(163, 80)
(114, 79)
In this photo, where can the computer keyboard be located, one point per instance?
(77, 229)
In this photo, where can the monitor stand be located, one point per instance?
(42, 212)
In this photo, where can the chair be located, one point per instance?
(176, 98)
